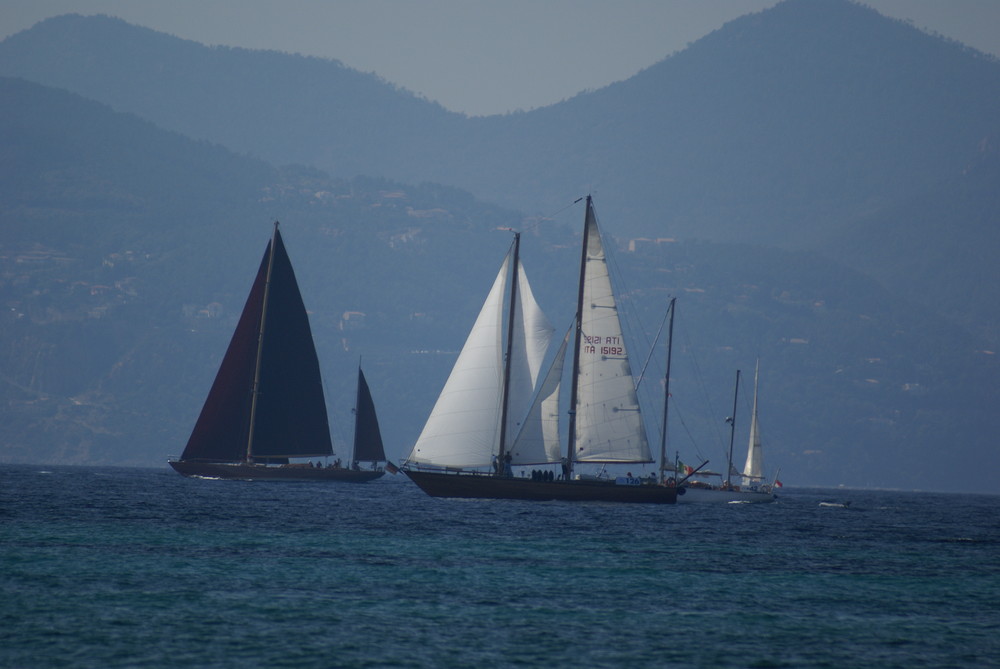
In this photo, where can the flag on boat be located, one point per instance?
(777, 483)
(391, 468)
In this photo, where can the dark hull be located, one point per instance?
(439, 484)
(245, 472)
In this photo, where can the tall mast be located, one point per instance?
(732, 433)
(507, 354)
(666, 393)
(357, 416)
(574, 387)
(255, 393)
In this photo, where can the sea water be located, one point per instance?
(144, 568)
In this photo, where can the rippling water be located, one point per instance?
(122, 567)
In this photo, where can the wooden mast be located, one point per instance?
(666, 395)
(574, 386)
(255, 393)
(502, 451)
(732, 433)
(357, 415)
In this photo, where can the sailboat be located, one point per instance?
(753, 487)
(368, 445)
(485, 421)
(266, 405)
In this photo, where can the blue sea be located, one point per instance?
(106, 567)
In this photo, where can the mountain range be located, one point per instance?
(816, 182)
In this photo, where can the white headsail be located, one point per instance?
(463, 427)
(753, 470)
(538, 440)
(609, 426)
(532, 333)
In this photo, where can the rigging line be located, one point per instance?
(679, 414)
(633, 328)
(700, 383)
(628, 312)
(546, 217)
(625, 298)
(534, 223)
(747, 402)
(652, 348)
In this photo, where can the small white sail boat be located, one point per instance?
(753, 487)
(485, 422)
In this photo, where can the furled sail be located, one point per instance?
(609, 426)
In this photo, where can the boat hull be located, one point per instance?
(483, 486)
(246, 472)
(719, 496)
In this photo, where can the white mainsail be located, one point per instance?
(464, 425)
(753, 470)
(609, 425)
(463, 429)
(538, 440)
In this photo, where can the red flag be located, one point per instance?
(777, 483)
(391, 468)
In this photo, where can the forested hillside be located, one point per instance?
(791, 127)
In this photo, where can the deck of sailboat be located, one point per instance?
(475, 485)
(250, 472)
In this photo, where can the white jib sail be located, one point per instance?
(532, 334)
(753, 470)
(609, 425)
(464, 426)
(538, 440)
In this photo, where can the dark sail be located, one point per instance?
(291, 417)
(222, 430)
(367, 436)
(291, 410)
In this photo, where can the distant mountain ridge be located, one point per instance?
(820, 102)
(798, 117)
(284, 108)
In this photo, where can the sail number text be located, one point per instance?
(604, 345)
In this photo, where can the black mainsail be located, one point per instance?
(367, 436)
(266, 404)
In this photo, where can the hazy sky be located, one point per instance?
(481, 56)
